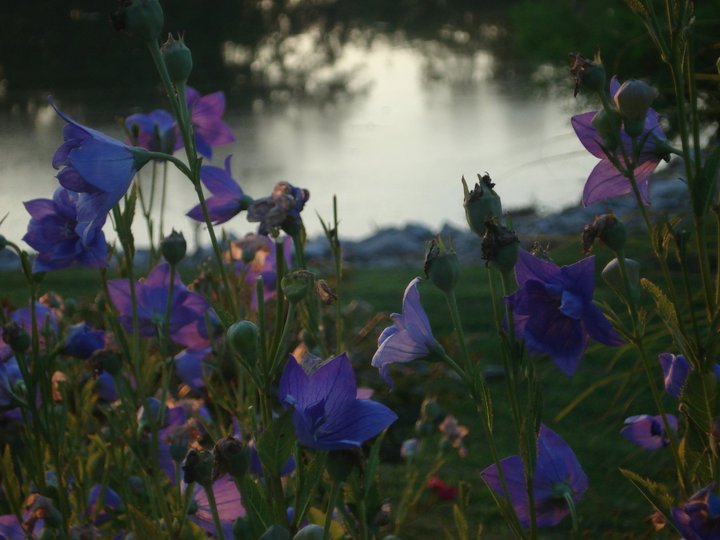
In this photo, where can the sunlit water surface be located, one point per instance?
(393, 153)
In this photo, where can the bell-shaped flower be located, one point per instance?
(53, 232)
(557, 473)
(699, 517)
(676, 370)
(327, 414)
(186, 307)
(10, 376)
(98, 167)
(281, 210)
(190, 367)
(205, 115)
(45, 322)
(606, 180)
(410, 336)
(648, 431)
(553, 310)
(82, 341)
(228, 198)
(154, 131)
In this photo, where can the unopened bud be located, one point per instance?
(441, 265)
(198, 467)
(174, 247)
(309, 532)
(481, 204)
(500, 247)
(589, 74)
(143, 19)
(16, 336)
(243, 337)
(177, 58)
(296, 285)
(608, 229)
(326, 294)
(3, 242)
(231, 457)
(612, 276)
(633, 99)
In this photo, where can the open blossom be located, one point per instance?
(186, 307)
(228, 198)
(53, 232)
(280, 210)
(205, 115)
(554, 311)
(699, 517)
(255, 256)
(676, 370)
(154, 131)
(229, 506)
(410, 337)
(648, 431)
(327, 414)
(557, 472)
(82, 341)
(606, 180)
(97, 167)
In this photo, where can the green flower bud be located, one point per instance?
(198, 467)
(309, 532)
(231, 456)
(589, 74)
(296, 285)
(500, 247)
(276, 532)
(608, 229)
(16, 336)
(633, 99)
(143, 19)
(177, 58)
(174, 247)
(432, 411)
(243, 337)
(481, 204)
(613, 277)
(607, 122)
(441, 265)
(242, 530)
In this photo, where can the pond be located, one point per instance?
(416, 117)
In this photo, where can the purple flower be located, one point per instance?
(82, 341)
(105, 387)
(98, 167)
(699, 517)
(557, 472)
(186, 307)
(554, 311)
(154, 131)
(280, 210)
(648, 431)
(255, 255)
(410, 337)
(327, 415)
(209, 129)
(675, 372)
(10, 375)
(46, 325)
(229, 506)
(12, 529)
(228, 198)
(190, 367)
(53, 232)
(111, 501)
(606, 180)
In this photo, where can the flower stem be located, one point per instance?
(213, 508)
(332, 501)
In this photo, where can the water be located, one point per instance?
(393, 153)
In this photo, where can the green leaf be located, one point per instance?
(143, 523)
(461, 523)
(10, 484)
(656, 494)
(666, 310)
(276, 443)
(258, 510)
(700, 399)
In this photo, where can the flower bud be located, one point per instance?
(16, 336)
(143, 19)
(325, 293)
(106, 360)
(500, 247)
(177, 58)
(431, 411)
(441, 265)
(309, 532)
(481, 204)
(607, 122)
(633, 99)
(276, 532)
(613, 277)
(589, 74)
(231, 456)
(243, 337)
(608, 229)
(296, 285)
(174, 247)
(3, 242)
(198, 467)
(40, 507)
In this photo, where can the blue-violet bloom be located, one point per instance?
(554, 312)
(82, 341)
(676, 369)
(205, 115)
(256, 256)
(98, 167)
(699, 517)
(53, 232)
(228, 198)
(154, 131)
(229, 506)
(606, 180)
(648, 431)
(327, 414)
(557, 473)
(410, 336)
(280, 210)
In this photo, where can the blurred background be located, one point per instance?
(386, 104)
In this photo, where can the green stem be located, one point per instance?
(332, 501)
(213, 508)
